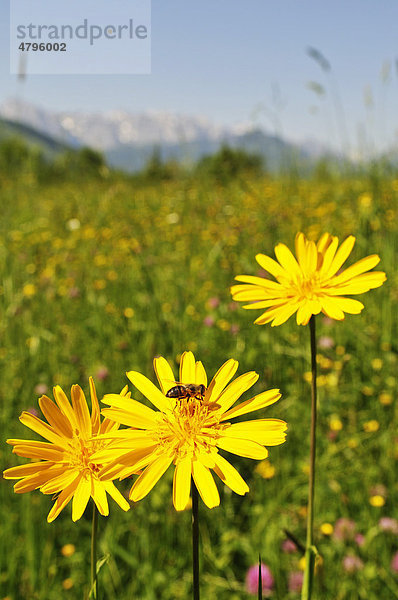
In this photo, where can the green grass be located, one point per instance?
(75, 256)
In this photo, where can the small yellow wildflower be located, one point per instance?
(265, 469)
(385, 398)
(67, 583)
(352, 443)
(68, 550)
(29, 290)
(367, 390)
(128, 312)
(326, 528)
(371, 426)
(377, 501)
(335, 423)
(377, 364)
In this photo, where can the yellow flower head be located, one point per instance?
(310, 283)
(64, 464)
(188, 431)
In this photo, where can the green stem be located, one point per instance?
(310, 551)
(94, 530)
(195, 541)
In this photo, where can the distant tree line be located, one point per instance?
(17, 157)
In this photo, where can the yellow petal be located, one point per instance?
(260, 401)
(270, 265)
(359, 284)
(363, 265)
(164, 373)
(277, 302)
(39, 450)
(245, 448)
(300, 244)
(107, 426)
(80, 408)
(114, 493)
(149, 478)
(287, 260)
(136, 459)
(95, 410)
(55, 417)
(311, 259)
(34, 481)
(341, 256)
(328, 256)
(81, 498)
(235, 389)
(55, 482)
(267, 432)
(149, 390)
(348, 305)
(230, 476)
(205, 484)
(284, 313)
(331, 309)
(259, 282)
(324, 242)
(62, 501)
(64, 405)
(127, 444)
(200, 374)
(187, 368)
(99, 496)
(42, 429)
(304, 313)
(270, 315)
(220, 379)
(26, 470)
(182, 483)
(138, 414)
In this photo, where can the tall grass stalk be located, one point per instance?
(195, 542)
(310, 550)
(94, 532)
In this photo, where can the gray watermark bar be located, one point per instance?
(99, 37)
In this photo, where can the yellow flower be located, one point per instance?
(377, 501)
(68, 550)
(265, 469)
(64, 464)
(335, 423)
(188, 432)
(326, 528)
(371, 426)
(309, 284)
(385, 398)
(29, 290)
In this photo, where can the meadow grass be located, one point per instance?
(99, 276)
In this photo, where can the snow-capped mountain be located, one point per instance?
(128, 139)
(108, 130)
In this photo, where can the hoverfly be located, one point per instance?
(191, 390)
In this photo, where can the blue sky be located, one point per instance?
(238, 61)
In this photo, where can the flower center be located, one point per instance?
(192, 427)
(309, 287)
(79, 455)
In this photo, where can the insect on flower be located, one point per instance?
(191, 390)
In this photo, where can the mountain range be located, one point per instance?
(129, 139)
